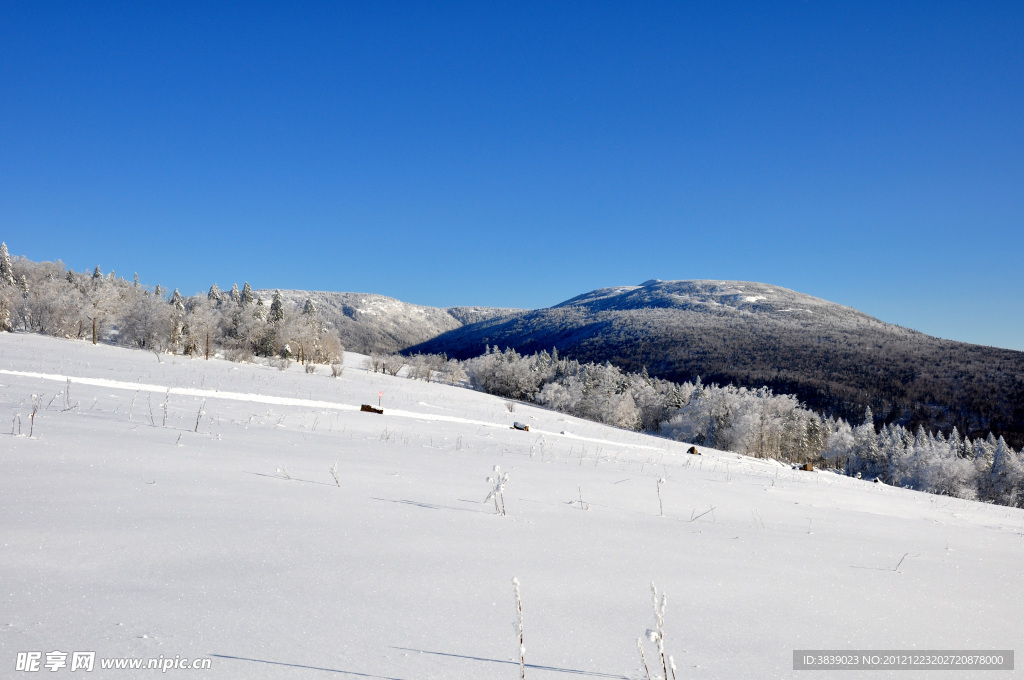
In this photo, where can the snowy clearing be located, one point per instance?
(169, 506)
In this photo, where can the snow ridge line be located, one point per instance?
(291, 401)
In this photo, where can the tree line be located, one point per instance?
(48, 298)
(752, 421)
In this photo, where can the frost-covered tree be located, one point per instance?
(8, 295)
(143, 320)
(201, 326)
(177, 301)
(260, 310)
(276, 308)
(1004, 483)
(755, 422)
(840, 445)
(7, 303)
(176, 337)
(6, 271)
(866, 456)
(454, 373)
(309, 309)
(247, 297)
(939, 469)
(102, 297)
(425, 366)
(49, 304)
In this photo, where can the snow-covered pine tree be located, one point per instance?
(247, 296)
(309, 309)
(215, 295)
(177, 301)
(235, 296)
(7, 290)
(956, 443)
(1006, 478)
(276, 308)
(177, 328)
(6, 271)
(866, 454)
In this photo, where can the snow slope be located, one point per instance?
(230, 540)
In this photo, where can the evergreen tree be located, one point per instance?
(276, 308)
(247, 297)
(309, 309)
(214, 295)
(260, 312)
(867, 454)
(97, 275)
(956, 444)
(177, 301)
(6, 271)
(236, 297)
(1004, 482)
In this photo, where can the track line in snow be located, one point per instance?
(185, 391)
(291, 401)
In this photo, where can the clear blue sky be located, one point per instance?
(516, 154)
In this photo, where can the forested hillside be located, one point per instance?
(835, 359)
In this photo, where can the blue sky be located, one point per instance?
(518, 154)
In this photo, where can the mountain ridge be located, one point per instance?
(836, 359)
(367, 322)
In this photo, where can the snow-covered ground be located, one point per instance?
(229, 540)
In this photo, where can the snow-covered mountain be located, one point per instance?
(722, 297)
(367, 322)
(835, 358)
(168, 508)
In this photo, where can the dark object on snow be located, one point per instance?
(371, 409)
(809, 467)
(693, 450)
(520, 426)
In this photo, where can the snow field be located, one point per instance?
(131, 538)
